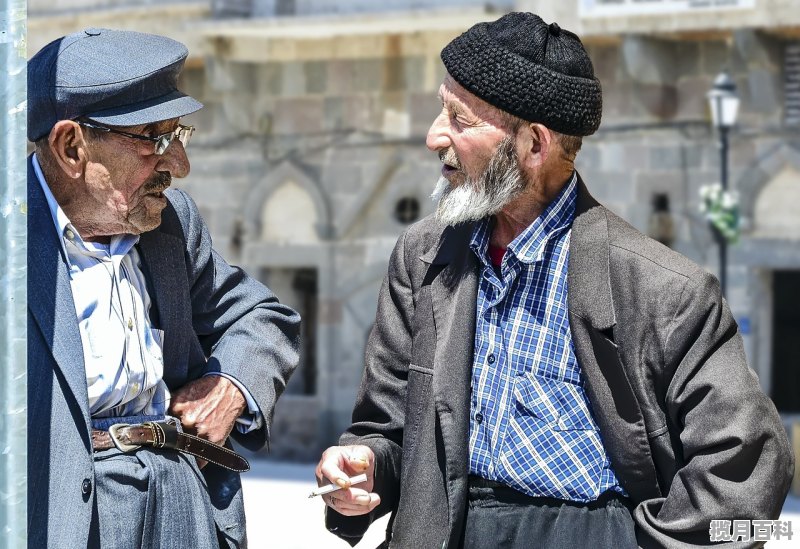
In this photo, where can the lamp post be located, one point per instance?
(724, 105)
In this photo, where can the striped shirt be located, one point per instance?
(531, 425)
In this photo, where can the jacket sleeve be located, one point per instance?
(736, 462)
(243, 329)
(379, 412)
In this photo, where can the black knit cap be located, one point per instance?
(530, 69)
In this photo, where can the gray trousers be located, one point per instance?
(502, 518)
(151, 499)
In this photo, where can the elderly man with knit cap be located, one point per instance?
(541, 374)
(146, 350)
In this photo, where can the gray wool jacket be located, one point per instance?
(689, 432)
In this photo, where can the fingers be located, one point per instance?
(352, 502)
(329, 469)
(357, 459)
(338, 463)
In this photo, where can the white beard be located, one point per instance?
(485, 196)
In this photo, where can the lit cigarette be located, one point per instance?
(358, 479)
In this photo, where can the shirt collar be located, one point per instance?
(529, 245)
(120, 244)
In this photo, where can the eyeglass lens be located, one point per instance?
(183, 133)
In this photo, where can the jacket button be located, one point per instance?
(86, 487)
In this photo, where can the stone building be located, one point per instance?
(309, 158)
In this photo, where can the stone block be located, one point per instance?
(424, 107)
(297, 116)
(742, 154)
(650, 61)
(658, 100)
(394, 77)
(606, 61)
(716, 57)
(203, 120)
(342, 177)
(765, 90)
(293, 79)
(596, 184)
(624, 156)
(340, 76)
(610, 186)
(414, 71)
(686, 58)
(269, 78)
(362, 112)
(333, 113)
(669, 158)
(618, 105)
(193, 82)
(316, 76)
(588, 157)
(692, 101)
(757, 49)
(671, 184)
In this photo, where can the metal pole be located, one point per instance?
(13, 280)
(723, 243)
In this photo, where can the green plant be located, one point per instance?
(721, 210)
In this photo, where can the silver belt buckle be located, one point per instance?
(113, 432)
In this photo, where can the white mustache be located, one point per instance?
(448, 157)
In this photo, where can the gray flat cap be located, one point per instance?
(119, 78)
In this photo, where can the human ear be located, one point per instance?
(535, 142)
(68, 147)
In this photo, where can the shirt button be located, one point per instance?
(130, 324)
(490, 359)
(86, 487)
(70, 234)
(479, 417)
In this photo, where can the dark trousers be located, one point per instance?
(499, 517)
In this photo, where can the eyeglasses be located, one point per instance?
(181, 133)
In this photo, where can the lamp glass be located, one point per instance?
(723, 102)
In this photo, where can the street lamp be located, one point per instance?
(724, 104)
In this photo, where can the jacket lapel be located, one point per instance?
(162, 261)
(50, 296)
(454, 295)
(592, 320)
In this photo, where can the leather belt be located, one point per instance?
(166, 435)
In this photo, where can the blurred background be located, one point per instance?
(309, 161)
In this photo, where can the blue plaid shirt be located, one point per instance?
(531, 425)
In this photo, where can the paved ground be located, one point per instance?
(280, 515)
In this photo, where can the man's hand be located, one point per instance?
(208, 407)
(337, 464)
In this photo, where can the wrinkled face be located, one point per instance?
(465, 134)
(125, 180)
(480, 172)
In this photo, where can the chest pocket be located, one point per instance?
(561, 405)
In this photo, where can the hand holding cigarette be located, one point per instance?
(340, 469)
(358, 479)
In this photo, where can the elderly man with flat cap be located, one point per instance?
(540, 373)
(146, 350)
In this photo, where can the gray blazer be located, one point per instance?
(214, 317)
(688, 430)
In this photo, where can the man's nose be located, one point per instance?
(174, 160)
(438, 135)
